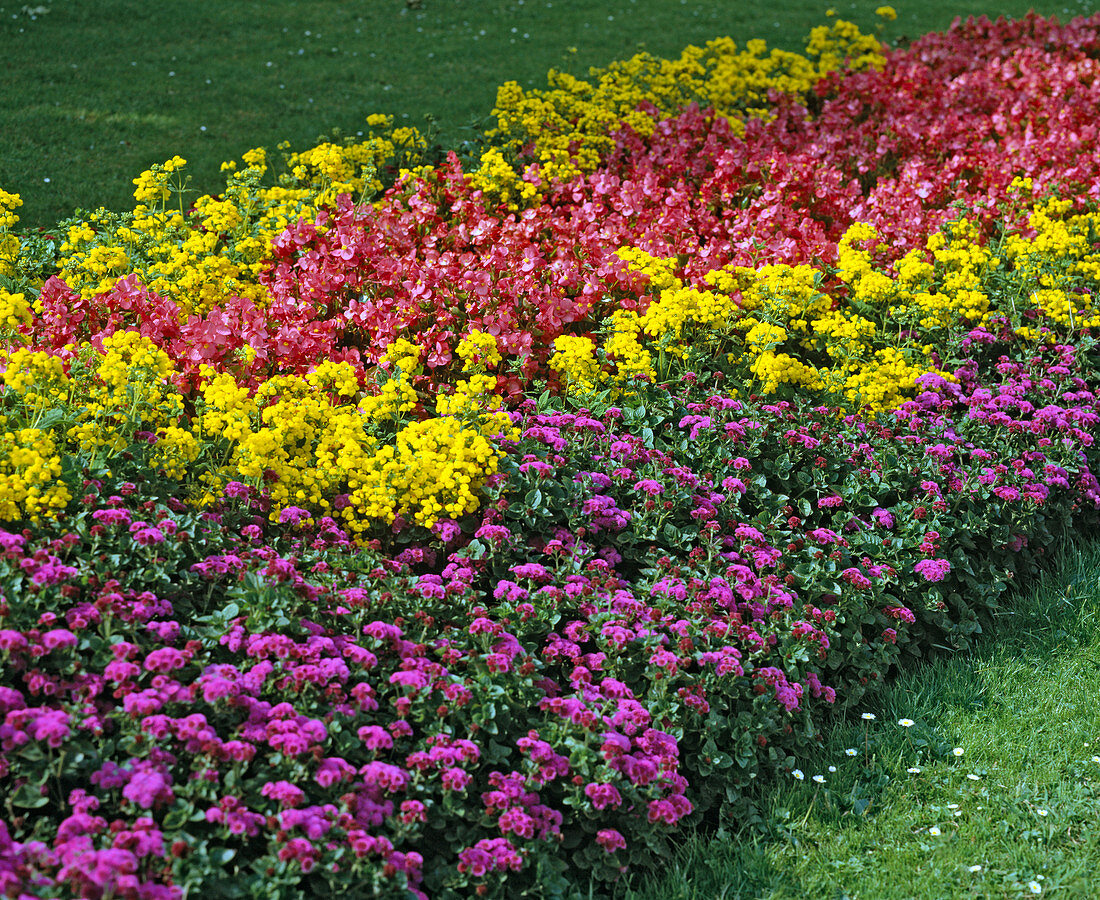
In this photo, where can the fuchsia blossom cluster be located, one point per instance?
(658, 606)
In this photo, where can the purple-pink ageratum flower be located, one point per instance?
(293, 515)
(603, 795)
(610, 839)
(58, 639)
(455, 779)
(149, 788)
(284, 792)
(932, 569)
(236, 491)
(111, 517)
(147, 536)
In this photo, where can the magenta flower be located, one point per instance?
(236, 491)
(149, 536)
(58, 639)
(932, 569)
(149, 788)
(293, 515)
(51, 726)
(603, 795)
(856, 579)
(375, 737)
(334, 770)
(283, 792)
(455, 779)
(610, 839)
(111, 517)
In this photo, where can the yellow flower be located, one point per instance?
(8, 204)
(478, 350)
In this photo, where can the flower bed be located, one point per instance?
(474, 538)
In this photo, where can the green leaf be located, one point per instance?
(31, 752)
(54, 416)
(176, 818)
(29, 797)
(221, 855)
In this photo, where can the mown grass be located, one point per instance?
(1011, 813)
(92, 93)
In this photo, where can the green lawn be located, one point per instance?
(93, 92)
(1011, 813)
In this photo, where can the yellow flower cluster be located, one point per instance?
(152, 186)
(30, 473)
(575, 362)
(774, 369)
(661, 271)
(126, 389)
(404, 356)
(764, 336)
(844, 334)
(198, 259)
(881, 383)
(1059, 268)
(283, 443)
(202, 256)
(30, 460)
(478, 350)
(228, 409)
(8, 204)
(394, 397)
(498, 180)
(176, 450)
(37, 378)
(9, 243)
(788, 294)
(435, 468)
(471, 395)
(14, 311)
(856, 269)
(394, 393)
(668, 320)
(352, 167)
(939, 294)
(570, 123)
(308, 441)
(779, 327)
(624, 347)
